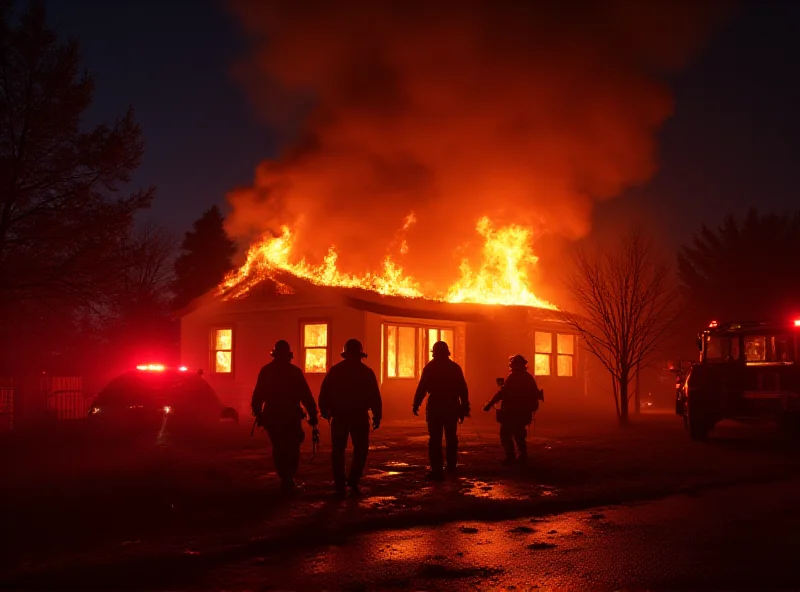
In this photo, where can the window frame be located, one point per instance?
(213, 349)
(570, 356)
(385, 349)
(549, 354)
(302, 340)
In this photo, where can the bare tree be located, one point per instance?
(151, 255)
(628, 303)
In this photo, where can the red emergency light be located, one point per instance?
(713, 324)
(151, 367)
(797, 323)
(183, 369)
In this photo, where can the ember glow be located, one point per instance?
(501, 278)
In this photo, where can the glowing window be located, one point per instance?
(446, 335)
(565, 345)
(401, 351)
(223, 351)
(543, 350)
(315, 348)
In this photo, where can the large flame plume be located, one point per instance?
(528, 112)
(503, 276)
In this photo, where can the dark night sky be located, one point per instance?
(733, 141)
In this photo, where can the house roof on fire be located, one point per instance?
(270, 293)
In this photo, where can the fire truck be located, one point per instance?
(746, 371)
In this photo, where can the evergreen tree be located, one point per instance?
(207, 255)
(746, 269)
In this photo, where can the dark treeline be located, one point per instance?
(85, 285)
(746, 269)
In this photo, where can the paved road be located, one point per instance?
(208, 516)
(738, 538)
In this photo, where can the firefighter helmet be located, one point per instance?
(517, 361)
(353, 349)
(282, 349)
(440, 348)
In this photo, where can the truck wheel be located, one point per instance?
(697, 422)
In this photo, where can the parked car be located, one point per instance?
(155, 396)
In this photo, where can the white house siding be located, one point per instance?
(254, 334)
(485, 338)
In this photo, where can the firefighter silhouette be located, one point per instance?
(448, 403)
(280, 390)
(348, 393)
(520, 396)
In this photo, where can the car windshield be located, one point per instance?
(157, 388)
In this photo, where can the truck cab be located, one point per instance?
(746, 370)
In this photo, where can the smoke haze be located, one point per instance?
(527, 112)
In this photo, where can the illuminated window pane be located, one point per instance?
(224, 339)
(391, 351)
(447, 337)
(315, 335)
(566, 344)
(433, 337)
(406, 352)
(316, 361)
(541, 365)
(224, 362)
(543, 343)
(564, 366)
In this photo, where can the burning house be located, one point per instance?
(230, 333)
(231, 339)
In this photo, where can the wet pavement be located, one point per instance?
(176, 516)
(737, 538)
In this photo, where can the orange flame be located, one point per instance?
(272, 255)
(501, 279)
(503, 275)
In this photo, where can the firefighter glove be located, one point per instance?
(415, 409)
(487, 407)
(376, 423)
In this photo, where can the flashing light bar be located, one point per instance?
(151, 367)
(713, 324)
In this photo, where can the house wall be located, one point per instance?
(482, 348)
(254, 334)
(491, 344)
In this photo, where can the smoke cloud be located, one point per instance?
(527, 112)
